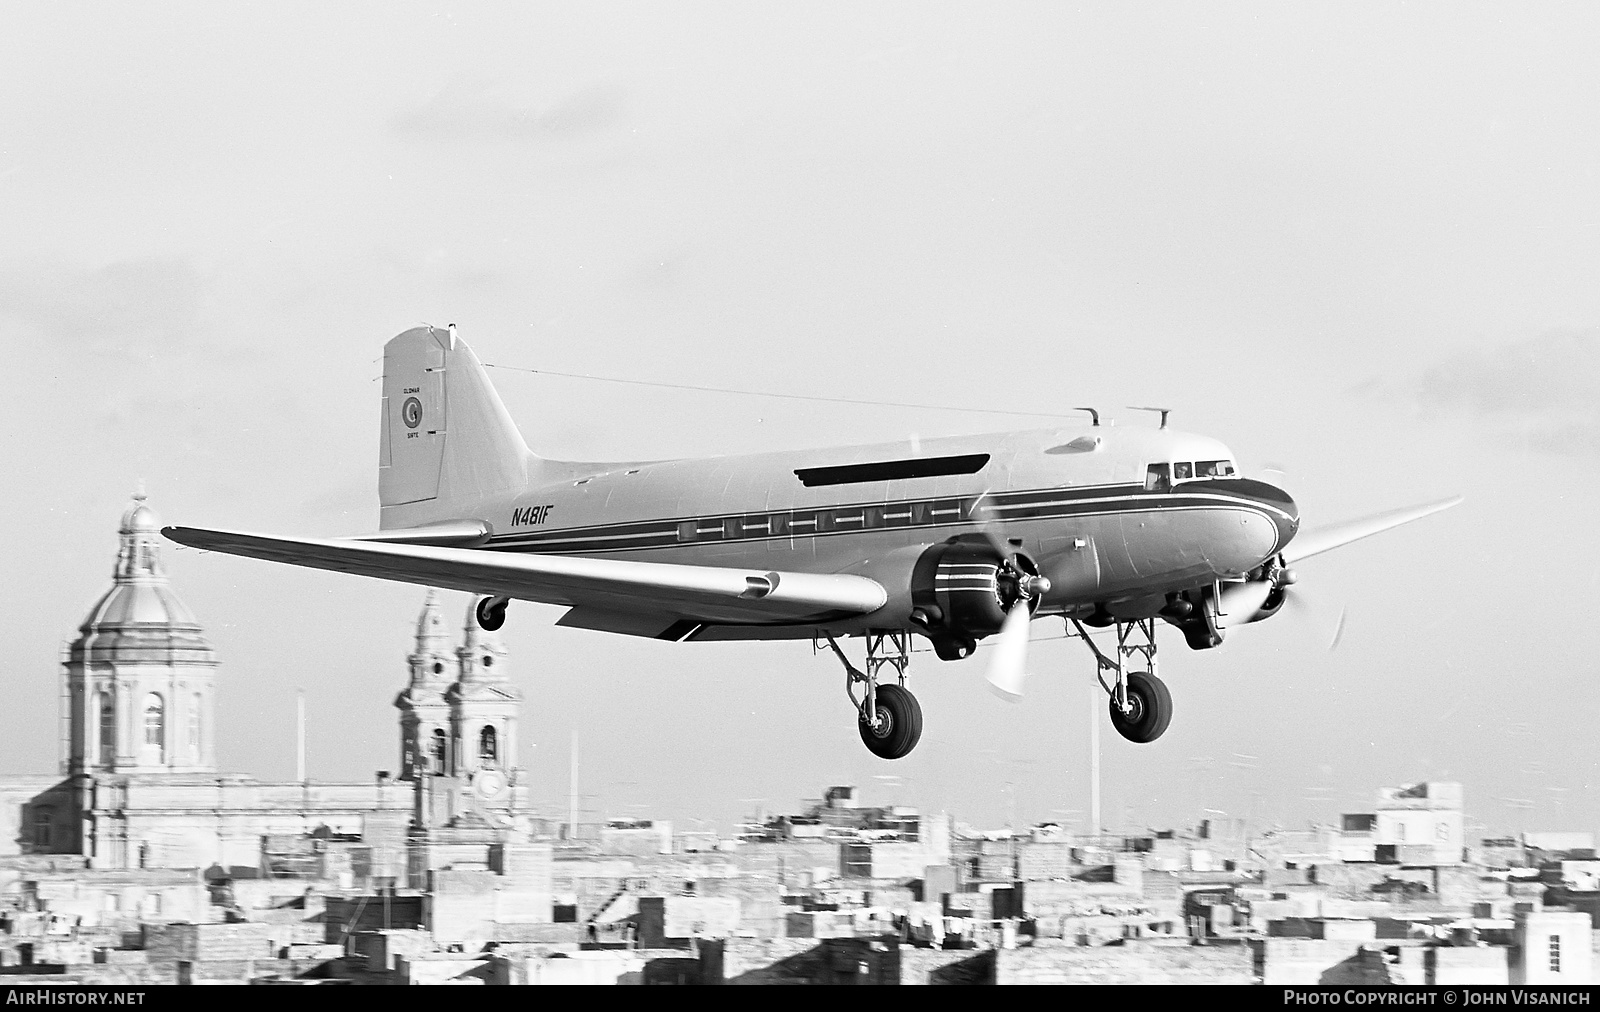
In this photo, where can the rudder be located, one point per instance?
(447, 443)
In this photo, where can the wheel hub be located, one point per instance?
(885, 723)
(1133, 709)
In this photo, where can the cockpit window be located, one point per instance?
(1156, 478)
(1182, 469)
(1214, 469)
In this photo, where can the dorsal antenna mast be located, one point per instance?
(1163, 411)
(1092, 414)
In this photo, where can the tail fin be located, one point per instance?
(447, 444)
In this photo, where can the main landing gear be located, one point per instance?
(889, 716)
(1141, 706)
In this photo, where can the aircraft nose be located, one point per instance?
(1280, 506)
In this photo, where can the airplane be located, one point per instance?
(951, 540)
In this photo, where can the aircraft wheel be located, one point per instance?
(899, 724)
(491, 613)
(1150, 711)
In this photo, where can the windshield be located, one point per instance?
(1160, 477)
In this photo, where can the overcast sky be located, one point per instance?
(1358, 243)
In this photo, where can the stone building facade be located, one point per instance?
(139, 787)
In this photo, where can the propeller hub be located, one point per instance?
(1034, 586)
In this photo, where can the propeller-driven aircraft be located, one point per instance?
(958, 540)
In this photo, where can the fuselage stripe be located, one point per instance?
(818, 522)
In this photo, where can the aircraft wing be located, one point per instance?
(1321, 539)
(668, 591)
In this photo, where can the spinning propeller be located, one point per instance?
(1243, 602)
(1008, 661)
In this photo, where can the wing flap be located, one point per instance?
(1318, 540)
(706, 593)
(626, 623)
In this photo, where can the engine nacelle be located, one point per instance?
(1204, 616)
(1278, 577)
(1270, 606)
(961, 591)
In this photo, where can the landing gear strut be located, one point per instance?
(888, 716)
(1141, 706)
(491, 613)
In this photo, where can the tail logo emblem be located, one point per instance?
(411, 412)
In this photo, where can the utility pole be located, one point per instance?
(572, 798)
(1094, 757)
(300, 736)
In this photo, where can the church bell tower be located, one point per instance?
(426, 746)
(458, 728)
(483, 704)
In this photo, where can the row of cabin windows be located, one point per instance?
(800, 523)
(1159, 477)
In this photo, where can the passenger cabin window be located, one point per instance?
(1156, 478)
(1182, 469)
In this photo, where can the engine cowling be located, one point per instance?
(961, 591)
(1276, 579)
(1275, 598)
(1205, 614)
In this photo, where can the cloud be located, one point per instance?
(465, 110)
(1541, 394)
(121, 307)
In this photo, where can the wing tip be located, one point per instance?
(1440, 505)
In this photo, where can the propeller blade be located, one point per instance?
(1338, 633)
(990, 528)
(1009, 662)
(1240, 601)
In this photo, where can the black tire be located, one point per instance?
(1151, 708)
(899, 724)
(491, 618)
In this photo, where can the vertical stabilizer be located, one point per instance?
(448, 448)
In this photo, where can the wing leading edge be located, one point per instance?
(1322, 539)
(699, 593)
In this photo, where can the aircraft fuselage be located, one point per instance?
(1080, 502)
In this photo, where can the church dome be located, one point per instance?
(138, 604)
(139, 617)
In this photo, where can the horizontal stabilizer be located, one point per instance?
(1316, 541)
(701, 593)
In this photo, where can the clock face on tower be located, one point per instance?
(491, 797)
(488, 784)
